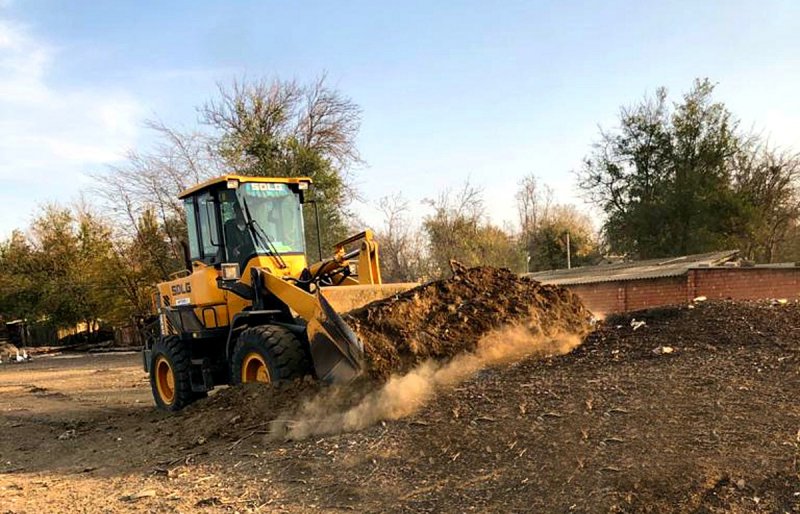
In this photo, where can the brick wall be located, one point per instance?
(745, 283)
(714, 283)
(631, 295)
(600, 298)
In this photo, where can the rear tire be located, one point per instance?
(170, 375)
(269, 353)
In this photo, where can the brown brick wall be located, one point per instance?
(746, 283)
(600, 298)
(642, 294)
(631, 295)
(714, 283)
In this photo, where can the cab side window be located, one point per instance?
(210, 243)
(191, 225)
(238, 243)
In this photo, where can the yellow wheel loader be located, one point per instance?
(249, 308)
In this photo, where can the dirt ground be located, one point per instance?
(695, 411)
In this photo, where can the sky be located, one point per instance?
(450, 91)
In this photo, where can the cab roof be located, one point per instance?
(208, 184)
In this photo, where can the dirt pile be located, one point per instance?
(345, 409)
(444, 318)
(431, 337)
(702, 327)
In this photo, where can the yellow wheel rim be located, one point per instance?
(165, 380)
(254, 368)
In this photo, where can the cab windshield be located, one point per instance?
(275, 211)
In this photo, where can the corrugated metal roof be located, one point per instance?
(633, 270)
(778, 265)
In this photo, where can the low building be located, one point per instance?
(628, 286)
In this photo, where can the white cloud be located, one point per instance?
(51, 135)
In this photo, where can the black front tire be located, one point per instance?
(285, 355)
(171, 356)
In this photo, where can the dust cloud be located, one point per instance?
(344, 409)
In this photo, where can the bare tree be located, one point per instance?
(459, 229)
(403, 245)
(768, 182)
(152, 181)
(534, 201)
(260, 124)
(328, 123)
(252, 119)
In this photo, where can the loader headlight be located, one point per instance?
(230, 271)
(302, 185)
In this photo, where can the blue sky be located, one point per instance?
(449, 90)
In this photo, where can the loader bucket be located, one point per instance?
(335, 350)
(347, 298)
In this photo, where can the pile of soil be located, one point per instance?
(234, 411)
(702, 327)
(437, 320)
(446, 317)
(621, 425)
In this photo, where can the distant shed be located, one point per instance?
(628, 286)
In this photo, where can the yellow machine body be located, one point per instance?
(216, 307)
(247, 270)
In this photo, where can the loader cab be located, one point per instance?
(235, 219)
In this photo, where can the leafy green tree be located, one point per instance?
(149, 261)
(547, 243)
(56, 260)
(71, 263)
(93, 277)
(20, 279)
(150, 249)
(63, 273)
(664, 178)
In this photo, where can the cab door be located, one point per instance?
(199, 291)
